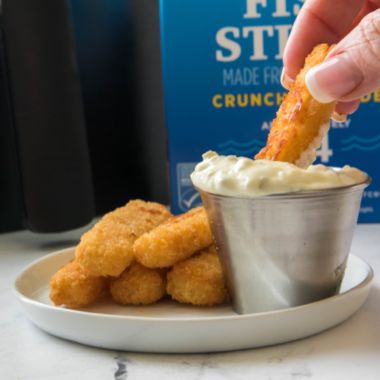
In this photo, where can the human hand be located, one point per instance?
(352, 68)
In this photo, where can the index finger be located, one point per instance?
(320, 21)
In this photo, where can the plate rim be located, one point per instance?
(24, 299)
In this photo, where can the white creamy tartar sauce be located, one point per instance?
(234, 176)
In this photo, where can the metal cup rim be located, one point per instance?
(297, 194)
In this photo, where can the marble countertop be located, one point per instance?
(349, 351)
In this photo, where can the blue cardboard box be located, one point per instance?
(222, 61)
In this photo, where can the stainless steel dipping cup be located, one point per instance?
(286, 250)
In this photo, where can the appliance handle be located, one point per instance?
(48, 119)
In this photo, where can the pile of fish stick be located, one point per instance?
(140, 253)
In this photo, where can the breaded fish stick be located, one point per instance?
(175, 240)
(301, 121)
(107, 249)
(72, 286)
(198, 280)
(139, 285)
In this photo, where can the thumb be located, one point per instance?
(352, 68)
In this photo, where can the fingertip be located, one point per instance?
(347, 108)
(286, 81)
(292, 66)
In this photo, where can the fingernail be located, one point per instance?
(286, 81)
(339, 117)
(333, 78)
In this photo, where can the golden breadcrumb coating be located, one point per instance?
(139, 285)
(175, 240)
(198, 280)
(72, 286)
(301, 121)
(107, 249)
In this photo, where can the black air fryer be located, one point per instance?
(45, 177)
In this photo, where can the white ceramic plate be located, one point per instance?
(168, 326)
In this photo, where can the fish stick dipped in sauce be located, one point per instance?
(302, 122)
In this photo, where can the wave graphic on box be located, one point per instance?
(357, 141)
(233, 147)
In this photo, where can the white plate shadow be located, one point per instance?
(170, 327)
